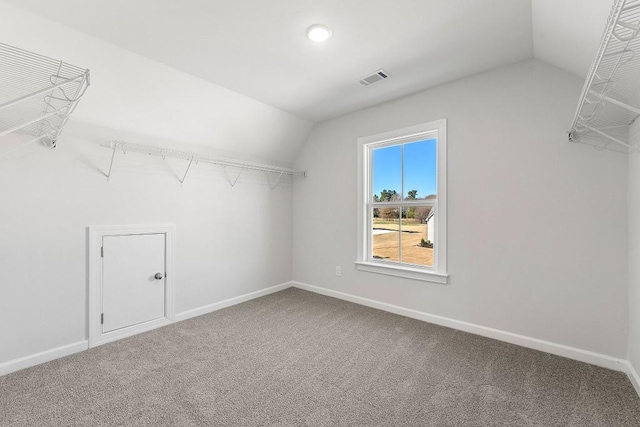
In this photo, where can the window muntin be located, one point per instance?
(400, 172)
(402, 232)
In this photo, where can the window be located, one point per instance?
(402, 202)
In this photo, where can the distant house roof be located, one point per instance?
(429, 215)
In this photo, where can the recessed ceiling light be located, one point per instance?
(319, 33)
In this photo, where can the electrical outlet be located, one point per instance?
(338, 270)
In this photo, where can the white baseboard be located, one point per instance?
(521, 340)
(231, 301)
(42, 357)
(56, 353)
(633, 376)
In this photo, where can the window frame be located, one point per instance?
(366, 145)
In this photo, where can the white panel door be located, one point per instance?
(133, 283)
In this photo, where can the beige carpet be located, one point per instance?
(295, 359)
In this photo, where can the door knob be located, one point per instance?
(158, 276)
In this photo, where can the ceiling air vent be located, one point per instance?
(375, 77)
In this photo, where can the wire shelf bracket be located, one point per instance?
(197, 158)
(232, 182)
(187, 171)
(38, 94)
(610, 98)
(273, 185)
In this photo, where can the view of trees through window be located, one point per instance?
(403, 227)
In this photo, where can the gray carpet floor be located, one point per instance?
(295, 358)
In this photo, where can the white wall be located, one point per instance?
(634, 249)
(229, 241)
(537, 226)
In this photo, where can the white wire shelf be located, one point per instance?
(610, 99)
(193, 157)
(37, 94)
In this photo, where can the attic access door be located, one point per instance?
(131, 280)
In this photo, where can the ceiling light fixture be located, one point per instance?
(319, 33)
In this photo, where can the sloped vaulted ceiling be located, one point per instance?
(259, 49)
(567, 33)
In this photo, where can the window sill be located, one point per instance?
(405, 272)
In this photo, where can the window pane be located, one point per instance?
(385, 234)
(387, 173)
(419, 169)
(418, 226)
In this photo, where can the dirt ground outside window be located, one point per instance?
(386, 245)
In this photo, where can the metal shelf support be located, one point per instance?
(615, 102)
(38, 94)
(193, 157)
(187, 171)
(232, 183)
(610, 98)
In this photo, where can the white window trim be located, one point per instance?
(437, 274)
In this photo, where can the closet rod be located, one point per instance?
(193, 156)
